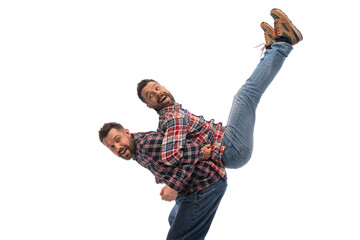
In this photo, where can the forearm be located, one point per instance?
(180, 177)
(182, 173)
(174, 140)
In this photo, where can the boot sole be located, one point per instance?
(295, 30)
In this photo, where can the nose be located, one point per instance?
(117, 146)
(155, 92)
(158, 94)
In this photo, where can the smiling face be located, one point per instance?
(120, 143)
(156, 96)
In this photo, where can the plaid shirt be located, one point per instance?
(179, 125)
(190, 174)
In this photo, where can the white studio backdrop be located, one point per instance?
(67, 67)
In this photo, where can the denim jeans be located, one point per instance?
(238, 136)
(192, 215)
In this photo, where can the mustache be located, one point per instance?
(163, 96)
(121, 150)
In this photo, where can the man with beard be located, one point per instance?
(198, 188)
(232, 145)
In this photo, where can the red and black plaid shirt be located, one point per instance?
(189, 174)
(179, 125)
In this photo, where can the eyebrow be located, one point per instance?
(112, 141)
(146, 94)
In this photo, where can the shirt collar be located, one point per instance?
(168, 109)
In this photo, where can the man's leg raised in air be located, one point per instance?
(238, 137)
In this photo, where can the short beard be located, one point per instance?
(160, 106)
(131, 147)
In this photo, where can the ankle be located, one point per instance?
(282, 39)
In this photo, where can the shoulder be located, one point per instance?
(143, 137)
(176, 118)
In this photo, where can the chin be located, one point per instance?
(164, 105)
(128, 157)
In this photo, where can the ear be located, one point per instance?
(127, 132)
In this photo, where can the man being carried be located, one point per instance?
(232, 145)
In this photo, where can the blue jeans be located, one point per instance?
(192, 215)
(238, 136)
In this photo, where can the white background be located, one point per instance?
(67, 67)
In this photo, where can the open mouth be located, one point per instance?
(122, 151)
(162, 99)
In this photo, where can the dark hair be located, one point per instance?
(104, 131)
(141, 85)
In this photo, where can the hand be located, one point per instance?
(206, 151)
(168, 194)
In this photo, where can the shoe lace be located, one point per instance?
(276, 27)
(262, 49)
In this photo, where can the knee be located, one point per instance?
(238, 160)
